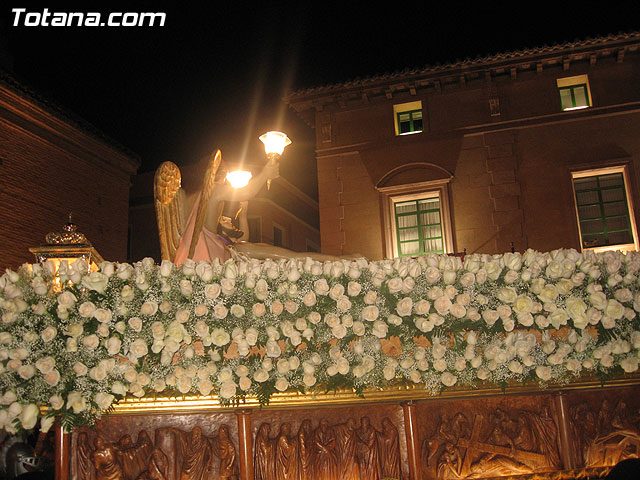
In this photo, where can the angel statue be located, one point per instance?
(205, 234)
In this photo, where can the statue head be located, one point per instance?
(196, 434)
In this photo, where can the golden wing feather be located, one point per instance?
(208, 185)
(169, 199)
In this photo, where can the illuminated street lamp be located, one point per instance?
(274, 145)
(238, 178)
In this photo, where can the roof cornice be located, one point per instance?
(588, 49)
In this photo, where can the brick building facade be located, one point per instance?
(530, 149)
(52, 164)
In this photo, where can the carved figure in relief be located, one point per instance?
(497, 465)
(347, 447)
(198, 455)
(86, 470)
(286, 462)
(305, 450)
(134, 457)
(450, 462)
(326, 459)
(608, 437)
(368, 451)
(226, 452)
(158, 468)
(390, 450)
(106, 462)
(263, 457)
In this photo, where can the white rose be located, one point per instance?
(543, 372)
(614, 309)
(371, 297)
(138, 348)
(506, 294)
(220, 337)
(309, 299)
(353, 289)
(442, 305)
(76, 402)
(237, 311)
(103, 400)
(370, 313)
(380, 329)
(86, 309)
(212, 291)
(358, 328)
(281, 384)
(91, 341)
(67, 300)
(48, 334)
(343, 304)
(321, 287)
(448, 379)
(276, 307)
(227, 389)
(102, 315)
(96, 281)
(629, 364)
(45, 364)
(26, 371)
(29, 416)
(260, 375)
(405, 307)
(113, 345)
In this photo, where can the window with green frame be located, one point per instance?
(410, 122)
(574, 97)
(603, 211)
(419, 226)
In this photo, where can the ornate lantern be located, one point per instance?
(67, 245)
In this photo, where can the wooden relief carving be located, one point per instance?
(353, 450)
(605, 431)
(492, 442)
(176, 454)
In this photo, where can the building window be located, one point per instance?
(312, 246)
(417, 218)
(604, 209)
(255, 229)
(410, 122)
(419, 226)
(574, 92)
(408, 118)
(278, 236)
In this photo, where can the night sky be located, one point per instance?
(213, 77)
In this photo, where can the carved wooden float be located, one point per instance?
(573, 431)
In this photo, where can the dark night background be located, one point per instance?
(213, 76)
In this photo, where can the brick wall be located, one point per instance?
(52, 167)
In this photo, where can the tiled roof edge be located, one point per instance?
(9, 80)
(480, 60)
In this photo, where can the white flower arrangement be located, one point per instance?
(250, 327)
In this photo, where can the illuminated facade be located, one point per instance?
(529, 149)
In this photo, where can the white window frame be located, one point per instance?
(415, 191)
(605, 171)
(407, 107)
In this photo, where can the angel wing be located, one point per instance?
(169, 200)
(208, 185)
